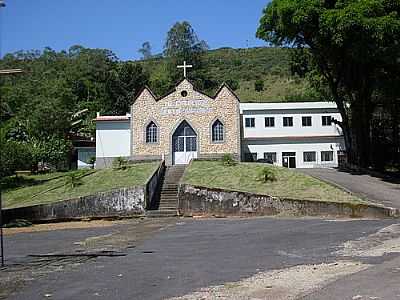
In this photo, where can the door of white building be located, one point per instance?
(184, 144)
(289, 159)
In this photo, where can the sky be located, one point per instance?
(122, 26)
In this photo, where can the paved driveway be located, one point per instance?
(369, 187)
(191, 254)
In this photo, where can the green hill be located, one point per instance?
(244, 67)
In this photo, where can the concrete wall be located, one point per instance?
(113, 139)
(128, 201)
(119, 202)
(195, 200)
(299, 146)
(153, 186)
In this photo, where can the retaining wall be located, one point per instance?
(153, 186)
(119, 202)
(128, 201)
(195, 200)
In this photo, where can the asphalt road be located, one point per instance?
(369, 187)
(191, 254)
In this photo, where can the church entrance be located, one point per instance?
(184, 144)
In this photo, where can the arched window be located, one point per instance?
(217, 131)
(151, 133)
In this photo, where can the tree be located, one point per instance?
(182, 41)
(233, 84)
(350, 43)
(124, 83)
(145, 50)
(182, 44)
(259, 85)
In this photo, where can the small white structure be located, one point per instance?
(113, 139)
(85, 154)
(293, 135)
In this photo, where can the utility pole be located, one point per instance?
(2, 4)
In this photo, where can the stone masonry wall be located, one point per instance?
(199, 110)
(195, 200)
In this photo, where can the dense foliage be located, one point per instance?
(56, 97)
(349, 50)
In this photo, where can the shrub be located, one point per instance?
(267, 174)
(228, 160)
(120, 163)
(92, 161)
(72, 180)
(259, 85)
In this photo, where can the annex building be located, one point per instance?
(187, 124)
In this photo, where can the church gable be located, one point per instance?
(185, 105)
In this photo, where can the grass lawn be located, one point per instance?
(245, 177)
(46, 188)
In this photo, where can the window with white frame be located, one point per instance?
(250, 122)
(306, 121)
(326, 120)
(326, 155)
(270, 156)
(151, 133)
(309, 156)
(269, 121)
(287, 121)
(217, 131)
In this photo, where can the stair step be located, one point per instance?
(161, 213)
(169, 197)
(169, 193)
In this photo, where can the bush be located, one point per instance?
(259, 85)
(266, 174)
(14, 156)
(73, 179)
(92, 161)
(120, 163)
(228, 160)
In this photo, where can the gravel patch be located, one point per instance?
(279, 284)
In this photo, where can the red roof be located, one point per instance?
(112, 118)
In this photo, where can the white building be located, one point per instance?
(294, 135)
(113, 138)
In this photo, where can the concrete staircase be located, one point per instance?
(168, 205)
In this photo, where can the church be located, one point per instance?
(187, 124)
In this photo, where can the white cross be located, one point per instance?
(184, 67)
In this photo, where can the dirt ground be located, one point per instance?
(63, 225)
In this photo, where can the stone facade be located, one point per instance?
(200, 111)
